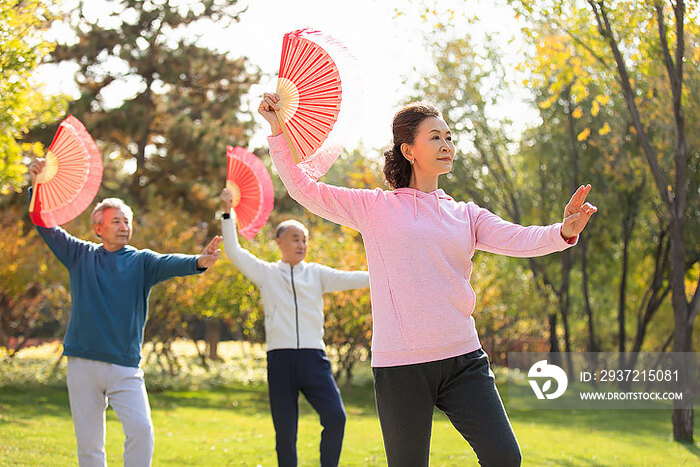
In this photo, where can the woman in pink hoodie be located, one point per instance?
(419, 244)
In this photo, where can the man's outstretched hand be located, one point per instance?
(210, 253)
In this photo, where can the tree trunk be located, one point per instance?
(564, 303)
(656, 293)
(144, 140)
(553, 341)
(683, 333)
(592, 343)
(564, 292)
(348, 377)
(213, 336)
(682, 417)
(622, 306)
(673, 197)
(683, 311)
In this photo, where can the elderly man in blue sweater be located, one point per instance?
(110, 283)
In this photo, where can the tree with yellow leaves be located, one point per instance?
(640, 50)
(22, 105)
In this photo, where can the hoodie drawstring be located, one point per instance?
(437, 200)
(415, 205)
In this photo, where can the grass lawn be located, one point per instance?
(231, 426)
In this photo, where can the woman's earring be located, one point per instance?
(412, 161)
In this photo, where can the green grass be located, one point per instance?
(231, 425)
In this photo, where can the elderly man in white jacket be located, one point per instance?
(292, 297)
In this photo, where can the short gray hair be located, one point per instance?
(98, 213)
(283, 226)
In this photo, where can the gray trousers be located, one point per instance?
(463, 387)
(91, 386)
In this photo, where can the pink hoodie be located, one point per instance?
(419, 248)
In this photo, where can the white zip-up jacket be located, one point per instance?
(292, 297)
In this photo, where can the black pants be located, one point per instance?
(464, 389)
(290, 371)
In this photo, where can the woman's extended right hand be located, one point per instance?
(267, 109)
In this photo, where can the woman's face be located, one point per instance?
(432, 150)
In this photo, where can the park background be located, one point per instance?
(541, 96)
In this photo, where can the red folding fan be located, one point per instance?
(251, 185)
(309, 86)
(71, 178)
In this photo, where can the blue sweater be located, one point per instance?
(109, 295)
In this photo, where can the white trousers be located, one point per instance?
(91, 386)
